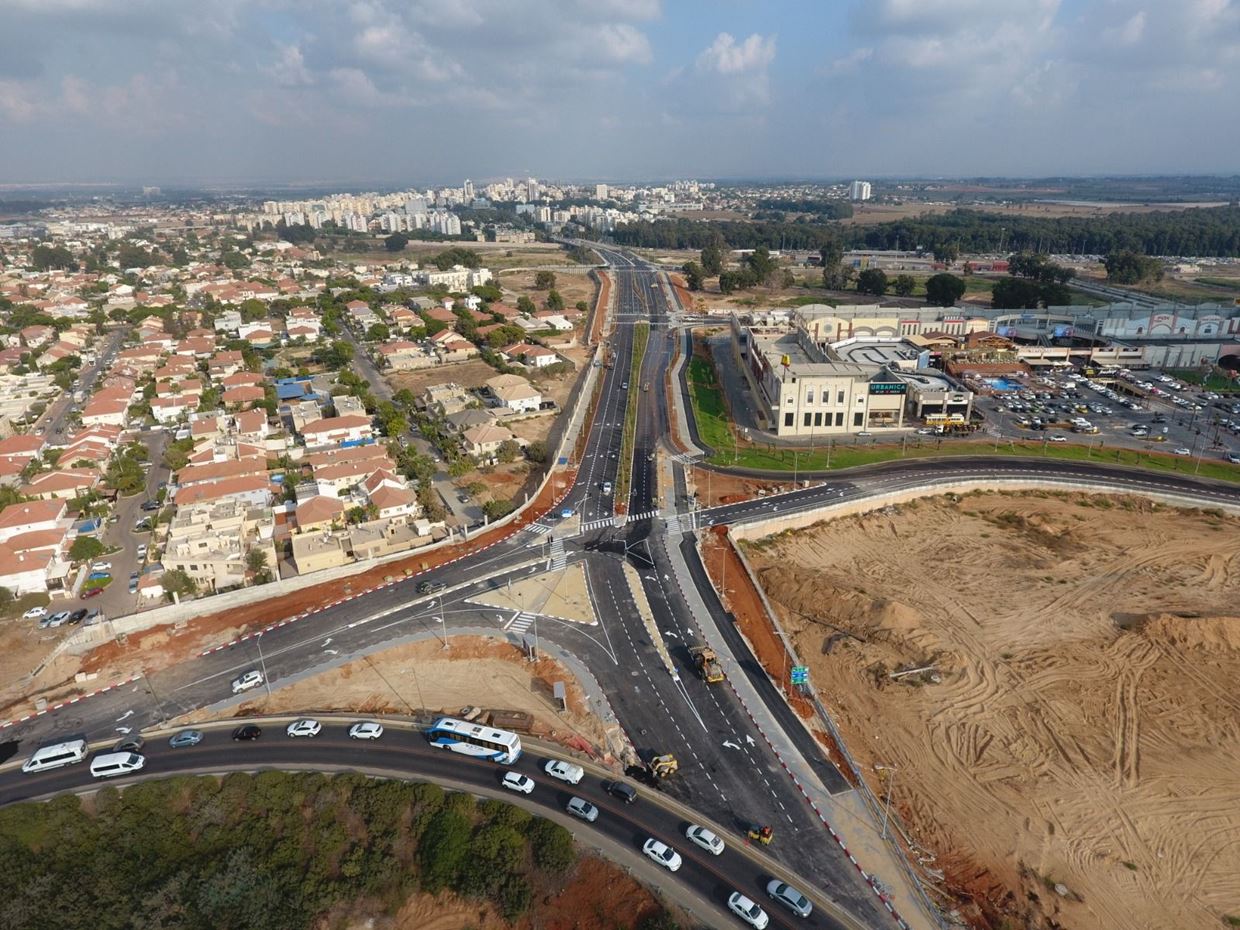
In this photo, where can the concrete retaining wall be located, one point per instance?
(795, 521)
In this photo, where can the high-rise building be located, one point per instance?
(467, 190)
(531, 188)
(859, 190)
(600, 191)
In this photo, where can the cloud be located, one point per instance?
(726, 56)
(1129, 33)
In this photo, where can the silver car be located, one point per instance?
(789, 897)
(583, 809)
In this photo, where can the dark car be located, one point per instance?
(247, 731)
(77, 616)
(618, 789)
(93, 592)
(130, 744)
(150, 505)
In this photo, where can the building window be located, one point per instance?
(858, 417)
(839, 419)
(809, 396)
(818, 419)
(839, 397)
(807, 418)
(788, 419)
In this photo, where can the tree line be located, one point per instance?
(1212, 231)
(275, 850)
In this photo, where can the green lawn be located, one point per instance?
(624, 471)
(847, 455)
(1212, 380)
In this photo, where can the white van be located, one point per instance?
(53, 757)
(109, 764)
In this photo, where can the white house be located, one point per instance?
(514, 393)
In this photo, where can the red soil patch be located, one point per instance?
(739, 595)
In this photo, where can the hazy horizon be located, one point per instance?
(237, 92)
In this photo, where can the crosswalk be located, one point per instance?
(559, 560)
(539, 529)
(519, 622)
(647, 515)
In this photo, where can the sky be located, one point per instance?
(433, 91)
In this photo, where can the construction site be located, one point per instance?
(1039, 689)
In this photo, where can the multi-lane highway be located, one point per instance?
(728, 770)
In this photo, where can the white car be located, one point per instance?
(1183, 451)
(142, 551)
(366, 729)
(515, 781)
(304, 728)
(747, 910)
(101, 567)
(1059, 439)
(662, 854)
(34, 613)
(251, 679)
(706, 839)
(564, 771)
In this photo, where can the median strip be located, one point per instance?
(624, 472)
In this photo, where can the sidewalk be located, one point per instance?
(845, 816)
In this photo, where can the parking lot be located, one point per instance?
(1141, 410)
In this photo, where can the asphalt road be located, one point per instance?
(727, 770)
(409, 756)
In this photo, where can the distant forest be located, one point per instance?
(1213, 231)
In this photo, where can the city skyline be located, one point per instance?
(378, 91)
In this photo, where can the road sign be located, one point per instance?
(800, 675)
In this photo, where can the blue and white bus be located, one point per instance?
(473, 739)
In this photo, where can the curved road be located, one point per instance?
(703, 882)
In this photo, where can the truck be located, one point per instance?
(707, 664)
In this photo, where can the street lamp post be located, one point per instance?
(262, 664)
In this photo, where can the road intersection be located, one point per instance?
(745, 758)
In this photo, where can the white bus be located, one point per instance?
(53, 757)
(473, 739)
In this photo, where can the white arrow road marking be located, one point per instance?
(332, 652)
(672, 633)
(730, 744)
(123, 730)
(126, 714)
(749, 740)
(327, 642)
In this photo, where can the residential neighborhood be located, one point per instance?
(183, 414)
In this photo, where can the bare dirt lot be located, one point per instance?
(1085, 729)
(424, 676)
(471, 374)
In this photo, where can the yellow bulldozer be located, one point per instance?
(663, 766)
(707, 663)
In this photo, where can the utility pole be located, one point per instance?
(891, 782)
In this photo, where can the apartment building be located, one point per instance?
(209, 541)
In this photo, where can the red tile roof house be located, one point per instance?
(64, 483)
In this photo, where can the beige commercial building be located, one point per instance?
(210, 542)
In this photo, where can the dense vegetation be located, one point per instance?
(1213, 231)
(273, 850)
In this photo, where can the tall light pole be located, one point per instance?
(443, 629)
(262, 664)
